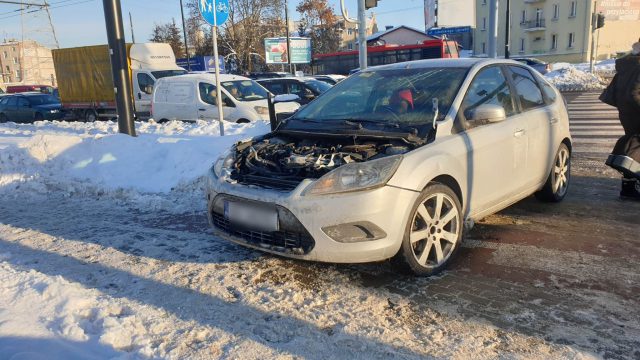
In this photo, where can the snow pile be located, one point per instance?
(93, 158)
(567, 77)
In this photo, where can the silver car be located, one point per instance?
(391, 162)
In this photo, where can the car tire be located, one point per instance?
(433, 233)
(38, 117)
(3, 118)
(557, 185)
(90, 116)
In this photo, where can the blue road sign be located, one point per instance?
(449, 30)
(207, 8)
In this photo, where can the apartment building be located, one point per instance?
(560, 30)
(26, 62)
(349, 34)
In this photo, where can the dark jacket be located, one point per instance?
(627, 92)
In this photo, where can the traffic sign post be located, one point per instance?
(216, 12)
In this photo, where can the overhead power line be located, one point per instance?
(43, 7)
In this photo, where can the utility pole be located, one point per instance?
(119, 66)
(286, 19)
(184, 31)
(493, 28)
(362, 34)
(593, 38)
(133, 37)
(507, 41)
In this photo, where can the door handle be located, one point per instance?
(202, 109)
(554, 120)
(139, 96)
(519, 133)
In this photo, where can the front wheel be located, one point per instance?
(3, 118)
(557, 185)
(434, 232)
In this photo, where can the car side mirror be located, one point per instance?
(489, 113)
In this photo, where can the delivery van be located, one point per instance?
(85, 81)
(193, 97)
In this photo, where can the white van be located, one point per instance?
(193, 97)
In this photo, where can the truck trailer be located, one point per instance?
(85, 80)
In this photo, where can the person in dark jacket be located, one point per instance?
(626, 97)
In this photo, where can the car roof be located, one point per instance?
(205, 76)
(299, 78)
(444, 63)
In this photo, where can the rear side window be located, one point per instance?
(22, 102)
(4, 101)
(527, 90)
(489, 87)
(12, 102)
(550, 94)
(274, 87)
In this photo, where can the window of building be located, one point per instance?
(484, 23)
(15, 60)
(13, 49)
(350, 46)
(556, 11)
(18, 75)
(523, 17)
(8, 69)
(5, 54)
(554, 41)
(484, 48)
(573, 10)
(572, 40)
(521, 45)
(350, 31)
(484, 2)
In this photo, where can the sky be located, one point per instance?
(81, 22)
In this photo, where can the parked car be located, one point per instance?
(15, 89)
(268, 75)
(193, 97)
(305, 88)
(391, 162)
(30, 107)
(330, 79)
(540, 66)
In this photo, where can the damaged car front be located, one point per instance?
(317, 187)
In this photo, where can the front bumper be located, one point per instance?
(385, 209)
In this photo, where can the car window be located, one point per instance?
(245, 90)
(43, 100)
(317, 86)
(12, 102)
(550, 94)
(300, 90)
(22, 102)
(527, 89)
(4, 101)
(275, 87)
(208, 95)
(145, 82)
(490, 86)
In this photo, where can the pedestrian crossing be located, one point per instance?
(591, 120)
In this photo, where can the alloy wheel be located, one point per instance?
(561, 171)
(435, 230)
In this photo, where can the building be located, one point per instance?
(26, 62)
(348, 31)
(400, 35)
(449, 13)
(560, 30)
(349, 35)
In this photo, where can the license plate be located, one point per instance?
(252, 217)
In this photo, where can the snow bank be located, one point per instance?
(94, 158)
(567, 77)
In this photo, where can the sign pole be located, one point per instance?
(217, 66)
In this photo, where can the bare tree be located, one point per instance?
(321, 25)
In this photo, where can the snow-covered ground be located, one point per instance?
(577, 77)
(105, 253)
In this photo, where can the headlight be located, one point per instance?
(224, 162)
(54, 111)
(261, 110)
(356, 176)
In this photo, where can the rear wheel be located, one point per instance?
(90, 116)
(3, 118)
(557, 185)
(434, 232)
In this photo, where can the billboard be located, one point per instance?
(276, 50)
(619, 10)
(429, 14)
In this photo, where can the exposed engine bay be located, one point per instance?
(283, 161)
